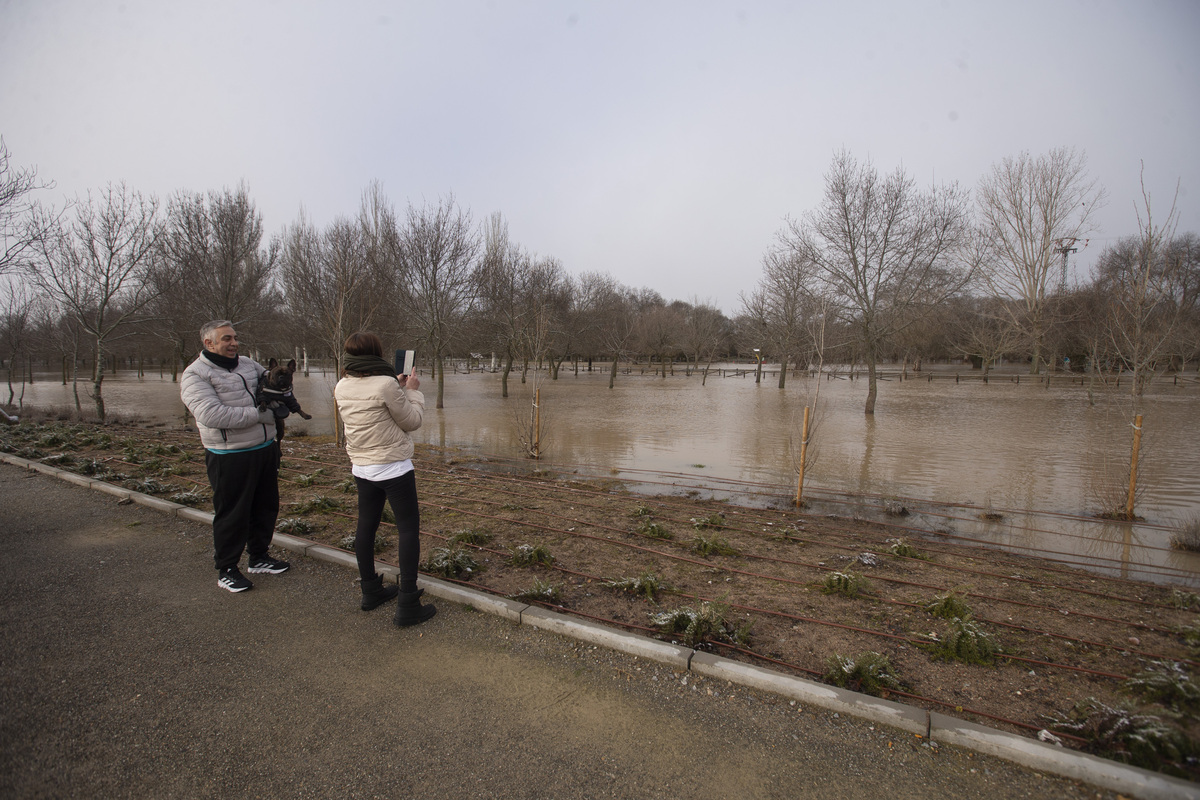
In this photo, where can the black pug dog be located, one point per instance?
(275, 392)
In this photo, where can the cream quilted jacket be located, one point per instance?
(377, 415)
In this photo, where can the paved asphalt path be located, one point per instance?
(126, 672)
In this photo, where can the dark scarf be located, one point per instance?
(362, 366)
(220, 360)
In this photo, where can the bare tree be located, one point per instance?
(1032, 212)
(380, 232)
(546, 295)
(886, 251)
(783, 301)
(18, 311)
(214, 244)
(980, 327)
(1138, 276)
(99, 267)
(328, 282)
(704, 329)
(438, 249)
(615, 309)
(659, 335)
(20, 228)
(1184, 252)
(501, 317)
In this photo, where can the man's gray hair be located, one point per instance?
(208, 328)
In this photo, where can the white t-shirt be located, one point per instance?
(382, 472)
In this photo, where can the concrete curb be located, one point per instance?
(936, 727)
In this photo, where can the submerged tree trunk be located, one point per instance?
(441, 381)
(508, 363)
(872, 385)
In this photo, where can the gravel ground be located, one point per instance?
(126, 672)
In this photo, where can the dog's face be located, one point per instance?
(279, 377)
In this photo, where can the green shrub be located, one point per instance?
(715, 520)
(347, 543)
(950, 605)
(900, 548)
(1119, 734)
(318, 504)
(694, 625)
(542, 591)
(471, 536)
(966, 642)
(869, 673)
(525, 555)
(190, 498)
(647, 584)
(844, 583)
(150, 486)
(655, 531)
(309, 479)
(451, 562)
(1165, 683)
(712, 546)
(295, 526)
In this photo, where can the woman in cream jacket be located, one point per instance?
(378, 408)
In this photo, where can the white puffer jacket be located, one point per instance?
(222, 401)
(377, 415)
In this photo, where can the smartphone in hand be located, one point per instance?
(405, 361)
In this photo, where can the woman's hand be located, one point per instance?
(409, 382)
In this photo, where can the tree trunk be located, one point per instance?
(612, 373)
(872, 385)
(441, 381)
(97, 382)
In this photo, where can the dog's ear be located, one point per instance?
(272, 364)
(291, 365)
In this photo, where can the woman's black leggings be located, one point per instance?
(401, 494)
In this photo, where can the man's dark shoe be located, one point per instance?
(231, 579)
(267, 564)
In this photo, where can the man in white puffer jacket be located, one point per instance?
(241, 454)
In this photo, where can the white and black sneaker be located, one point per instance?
(267, 564)
(231, 579)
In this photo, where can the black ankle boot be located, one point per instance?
(409, 610)
(376, 594)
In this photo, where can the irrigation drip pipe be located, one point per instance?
(782, 614)
(819, 567)
(831, 523)
(1165, 572)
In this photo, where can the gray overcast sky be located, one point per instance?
(661, 142)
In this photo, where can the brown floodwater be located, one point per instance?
(1017, 465)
